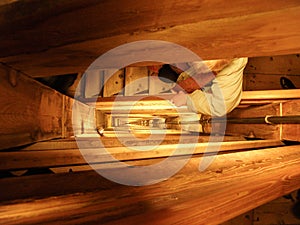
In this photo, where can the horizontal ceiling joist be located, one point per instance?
(66, 37)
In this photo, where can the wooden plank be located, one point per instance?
(137, 16)
(113, 83)
(136, 81)
(18, 160)
(270, 95)
(115, 142)
(32, 112)
(264, 131)
(82, 118)
(93, 83)
(156, 86)
(291, 132)
(248, 97)
(267, 131)
(245, 181)
(29, 111)
(280, 65)
(261, 69)
(259, 26)
(256, 81)
(142, 106)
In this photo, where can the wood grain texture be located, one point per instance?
(93, 83)
(257, 81)
(136, 81)
(157, 86)
(71, 143)
(264, 131)
(233, 184)
(268, 96)
(113, 83)
(19, 160)
(264, 73)
(29, 111)
(291, 132)
(82, 21)
(139, 105)
(276, 65)
(248, 97)
(224, 32)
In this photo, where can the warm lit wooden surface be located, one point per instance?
(248, 97)
(271, 95)
(264, 73)
(31, 112)
(264, 131)
(17, 160)
(65, 37)
(233, 184)
(269, 131)
(291, 132)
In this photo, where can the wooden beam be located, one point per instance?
(18, 160)
(23, 27)
(211, 29)
(86, 142)
(264, 131)
(269, 131)
(31, 112)
(115, 84)
(276, 65)
(233, 184)
(138, 105)
(136, 81)
(269, 95)
(248, 97)
(257, 81)
(291, 132)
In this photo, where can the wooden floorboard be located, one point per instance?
(233, 184)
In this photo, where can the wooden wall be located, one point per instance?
(264, 73)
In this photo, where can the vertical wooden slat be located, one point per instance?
(113, 83)
(93, 83)
(136, 81)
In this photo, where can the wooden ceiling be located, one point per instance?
(43, 38)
